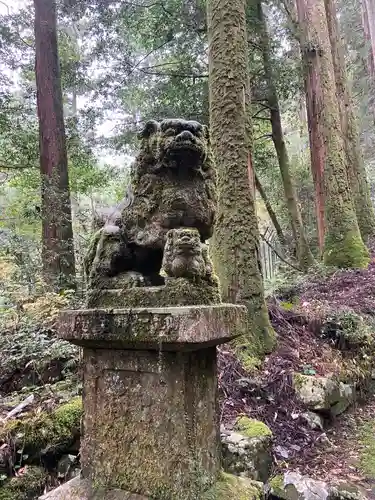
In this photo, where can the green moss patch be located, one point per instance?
(366, 437)
(345, 252)
(27, 486)
(251, 428)
(230, 487)
(42, 432)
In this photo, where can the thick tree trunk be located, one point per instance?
(343, 244)
(58, 250)
(314, 103)
(271, 212)
(356, 170)
(236, 239)
(304, 255)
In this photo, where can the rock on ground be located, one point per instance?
(294, 486)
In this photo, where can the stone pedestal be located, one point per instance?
(150, 396)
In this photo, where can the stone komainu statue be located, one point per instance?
(173, 187)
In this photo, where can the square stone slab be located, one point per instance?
(186, 328)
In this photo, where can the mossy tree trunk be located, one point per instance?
(370, 50)
(57, 240)
(343, 244)
(271, 212)
(236, 238)
(355, 165)
(304, 255)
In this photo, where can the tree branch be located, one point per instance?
(264, 136)
(14, 167)
(281, 257)
(148, 6)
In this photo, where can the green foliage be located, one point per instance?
(366, 437)
(26, 486)
(348, 330)
(41, 430)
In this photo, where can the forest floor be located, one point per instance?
(345, 450)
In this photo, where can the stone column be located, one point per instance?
(150, 422)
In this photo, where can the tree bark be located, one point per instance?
(356, 169)
(343, 244)
(57, 232)
(367, 34)
(370, 14)
(303, 252)
(236, 238)
(271, 212)
(368, 20)
(314, 104)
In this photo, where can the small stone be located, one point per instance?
(305, 487)
(67, 467)
(252, 385)
(313, 420)
(282, 452)
(249, 457)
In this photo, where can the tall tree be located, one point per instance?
(304, 255)
(343, 244)
(58, 249)
(368, 38)
(355, 165)
(236, 239)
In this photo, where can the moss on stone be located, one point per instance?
(251, 428)
(277, 486)
(349, 330)
(250, 363)
(46, 431)
(176, 292)
(230, 487)
(25, 487)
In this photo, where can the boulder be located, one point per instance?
(247, 450)
(345, 491)
(294, 486)
(323, 394)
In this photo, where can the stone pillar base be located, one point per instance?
(150, 421)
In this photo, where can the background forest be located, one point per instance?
(305, 173)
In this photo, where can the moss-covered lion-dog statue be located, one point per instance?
(173, 186)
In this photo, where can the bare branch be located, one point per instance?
(281, 257)
(14, 167)
(264, 136)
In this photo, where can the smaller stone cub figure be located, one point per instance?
(185, 256)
